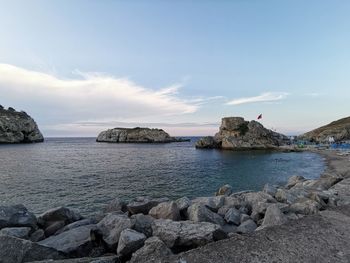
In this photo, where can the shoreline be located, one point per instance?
(164, 230)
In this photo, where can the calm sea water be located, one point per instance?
(85, 175)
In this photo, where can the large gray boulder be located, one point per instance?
(200, 213)
(15, 250)
(130, 241)
(83, 222)
(143, 204)
(305, 207)
(111, 226)
(166, 210)
(18, 127)
(293, 180)
(136, 135)
(103, 259)
(213, 203)
(143, 223)
(274, 216)
(77, 242)
(153, 251)
(16, 216)
(183, 203)
(186, 233)
(58, 214)
(115, 205)
(20, 232)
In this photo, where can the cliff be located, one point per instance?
(18, 127)
(136, 135)
(237, 134)
(339, 130)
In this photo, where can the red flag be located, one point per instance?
(260, 117)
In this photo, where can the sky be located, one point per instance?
(80, 67)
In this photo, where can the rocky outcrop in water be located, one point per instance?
(237, 134)
(136, 135)
(18, 127)
(339, 130)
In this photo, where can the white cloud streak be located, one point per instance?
(265, 97)
(90, 96)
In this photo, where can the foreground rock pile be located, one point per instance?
(151, 228)
(237, 134)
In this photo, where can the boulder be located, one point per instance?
(186, 234)
(16, 216)
(83, 222)
(183, 203)
(136, 135)
(143, 223)
(274, 216)
(292, 195)
(229, 228)
(103, 259)
(233, 216)
(213, 203)
(53, 227)
(130, 241)
(16, 250)
(115, 205)
(144, 204)
(244, 217)
(77, 242)
(223, 210)
(166, 210)
(323, 183)
(270, 189)
(224, 190)
(111, 226)
(153, 250)
(198, 212)
(247, 227)
(305, 207)
(58, 214)
(233, 201)
(18, 127)
(37, 235)
(20, 232)
(292, 181)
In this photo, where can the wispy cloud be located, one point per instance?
(90, 95)
(264, 97)
(314, 94)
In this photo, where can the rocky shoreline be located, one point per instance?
(162, 230)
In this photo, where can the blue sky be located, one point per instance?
(79, 67)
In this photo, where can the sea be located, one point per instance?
(85, 175)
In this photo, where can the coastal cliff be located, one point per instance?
(339, 130)
(18, 127)
(237, 134)
(136, 135)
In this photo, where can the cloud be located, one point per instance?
(265, 97)
(89, 96)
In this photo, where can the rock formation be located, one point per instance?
(18, 127)
(136, 135)
(237, 134)
(339, 130)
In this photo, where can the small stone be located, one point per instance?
(247, 227)
(233, 216)
(225, 190)
(130, 241)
